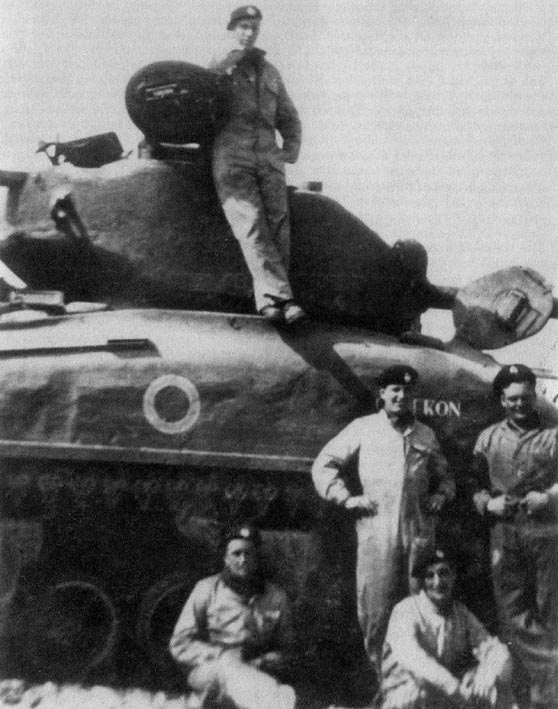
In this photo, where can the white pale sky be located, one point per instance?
(429, 119)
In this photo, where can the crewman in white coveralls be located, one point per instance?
(249, 167)
(437, 654)
(405, 483)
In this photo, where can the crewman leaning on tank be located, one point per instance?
(235, 632)
(405, 483)
(516, 491)
(249, 167)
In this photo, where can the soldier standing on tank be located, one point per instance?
(516, 490)
(249, 167)
(405, 483)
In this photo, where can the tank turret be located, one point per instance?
(158, 238)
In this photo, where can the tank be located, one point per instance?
(146, 409)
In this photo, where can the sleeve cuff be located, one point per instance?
(480, 500)
(337, 492)
(552, 493)
(447, 491)
(451, 687)
(340, 497)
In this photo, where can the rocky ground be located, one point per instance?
(67, 696)
(49, 695)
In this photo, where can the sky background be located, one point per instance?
(429, 119)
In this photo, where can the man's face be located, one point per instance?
(439, 582)
(396, 398)
(246, 33)
(241, 558)
(518, 400)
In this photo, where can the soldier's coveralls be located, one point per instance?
(400, 471)
(249, 169)
(524, 548)
(425, 653)
(219, 634)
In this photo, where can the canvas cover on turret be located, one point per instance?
(176, 102)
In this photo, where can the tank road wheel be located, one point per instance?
(69, 630)
(159, 611)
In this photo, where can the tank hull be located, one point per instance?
(198, 388)
(129, 439)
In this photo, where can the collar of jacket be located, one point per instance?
(534, 421)
(405, 423)
(242, 57)
(430, 609)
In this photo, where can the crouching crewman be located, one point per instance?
(437, 654)
(235, 629)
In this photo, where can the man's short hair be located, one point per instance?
(512, 374)
(246, 12)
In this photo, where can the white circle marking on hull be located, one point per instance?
(182, 424)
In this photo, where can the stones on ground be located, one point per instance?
(18, 693)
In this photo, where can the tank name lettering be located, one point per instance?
(436, 407)
(171, 404)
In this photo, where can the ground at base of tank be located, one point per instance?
(15, 692)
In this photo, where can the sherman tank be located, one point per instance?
(143, 408)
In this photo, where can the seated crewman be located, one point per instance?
(437, 654)
(235, 629)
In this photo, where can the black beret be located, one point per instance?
(245, 530)
(398, 374)
(512, 374)
(432, 554)
(246, 12)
